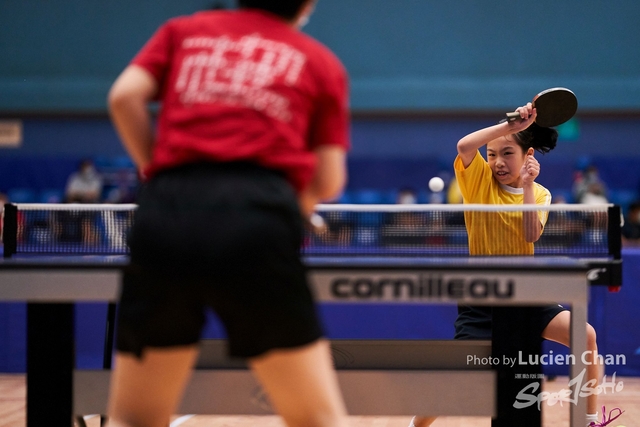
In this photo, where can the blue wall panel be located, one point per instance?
(411, 55)
(386, 153)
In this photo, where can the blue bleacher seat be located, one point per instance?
(623, 198)
(102, 162)
(368, 197)
(557, 193)
(389, 197)
(51, 195)
(345, 198)
(21, 195)
(423, 196)
(122, 162)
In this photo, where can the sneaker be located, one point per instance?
(606, 421)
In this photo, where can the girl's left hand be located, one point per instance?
(530, 168)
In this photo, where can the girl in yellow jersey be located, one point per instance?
(507, 177)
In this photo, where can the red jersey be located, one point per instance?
(242, 85)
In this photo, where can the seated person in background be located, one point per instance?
(85, 185)
(76, 227)
(406, 196)
(631, 227)
(588, 187)
(594, 195)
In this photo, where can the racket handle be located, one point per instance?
(512, 116)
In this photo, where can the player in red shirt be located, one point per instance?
(251, 134)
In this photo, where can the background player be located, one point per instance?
(508, 177)
(252, 131)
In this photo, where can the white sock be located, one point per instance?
(592, 418)
(411, 424)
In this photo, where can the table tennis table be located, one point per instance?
(52, 284)
(369, 267)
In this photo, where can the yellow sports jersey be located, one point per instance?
(495, 233)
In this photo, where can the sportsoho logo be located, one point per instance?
(419, 287)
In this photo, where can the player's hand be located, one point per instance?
(530, 168)
(528, 115)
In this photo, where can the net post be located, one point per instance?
(614, 232)
(10, 230)
(614, 238)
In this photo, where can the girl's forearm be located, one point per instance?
(530, 221)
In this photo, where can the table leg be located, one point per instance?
(514, 337)
(50, 363)
(578, 347)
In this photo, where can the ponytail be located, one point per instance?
(537, 137)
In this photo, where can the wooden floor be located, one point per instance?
(12, 410)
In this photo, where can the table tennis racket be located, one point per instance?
(554, 106)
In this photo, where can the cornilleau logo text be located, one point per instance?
(427, 286)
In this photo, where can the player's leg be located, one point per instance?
(158, 329)
(146, 391)
(558, 330)
(302, 385)
(422, 421)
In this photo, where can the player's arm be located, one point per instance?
(128, 100)
(469, 145)
(530, 220)
(329, 178)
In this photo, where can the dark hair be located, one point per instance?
(85, 162)
(541, 139)
(287, 9)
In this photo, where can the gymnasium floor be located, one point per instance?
(12, 413)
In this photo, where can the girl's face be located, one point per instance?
(505, 159)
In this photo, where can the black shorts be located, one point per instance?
(474, 322)
(216, 236)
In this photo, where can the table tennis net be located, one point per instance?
(444, 230)
(353, 230)
(67, 228)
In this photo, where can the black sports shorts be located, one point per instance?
(216, 236)
(474, 322)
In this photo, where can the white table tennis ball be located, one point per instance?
(436, 184)
(316, 220)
